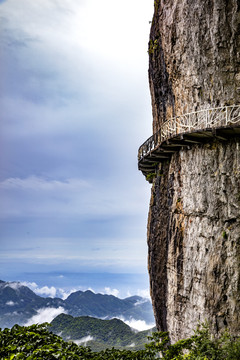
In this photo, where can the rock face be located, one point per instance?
(194, 54)
(194, 216)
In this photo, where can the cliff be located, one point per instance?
(194, 56)
(194, 216)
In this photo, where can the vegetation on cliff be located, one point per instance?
(36, 342)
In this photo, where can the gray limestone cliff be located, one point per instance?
(194, 216)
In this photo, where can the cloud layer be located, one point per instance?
(75, 106)
(45, 315)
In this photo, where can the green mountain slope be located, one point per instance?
(104, 333)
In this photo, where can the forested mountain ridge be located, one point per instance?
(98, 333)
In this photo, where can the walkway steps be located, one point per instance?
(163, 151)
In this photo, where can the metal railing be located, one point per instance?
(191, 122)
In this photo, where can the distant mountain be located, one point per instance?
(81, 303)
(18, 304)
(102, 333)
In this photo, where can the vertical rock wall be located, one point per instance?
(194, 216)
(194, 52)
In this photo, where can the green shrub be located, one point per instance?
(36, 342)
(150, 177)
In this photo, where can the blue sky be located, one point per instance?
(75, 107)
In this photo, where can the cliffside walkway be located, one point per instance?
(192, 128)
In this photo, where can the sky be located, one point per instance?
(74, 108)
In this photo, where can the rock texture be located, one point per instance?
(194, 216)
(194, 54)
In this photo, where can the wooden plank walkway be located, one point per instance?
(161, 152)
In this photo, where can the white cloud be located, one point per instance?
(140, 302)
(109, 291)
(145, 293)
(84, 340)
(91, 289)
(13, 285)
(131, 345)
(31, 285)
(65, 293)
(11, 303)
(45, 315)
(47, 291)
(138, 325)
(42, 291)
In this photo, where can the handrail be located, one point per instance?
(202, 119)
